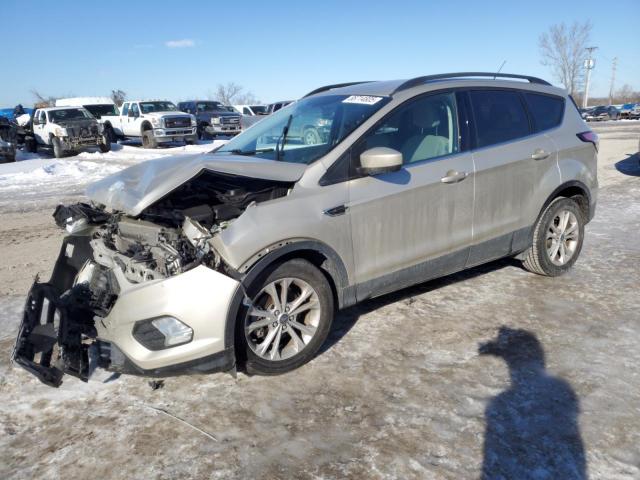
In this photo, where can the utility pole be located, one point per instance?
(589, 63)
(613, 78)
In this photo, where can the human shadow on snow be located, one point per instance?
(532, 427)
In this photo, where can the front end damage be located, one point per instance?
(144, 295)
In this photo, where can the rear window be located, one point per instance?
(546, 110)
(499, 116)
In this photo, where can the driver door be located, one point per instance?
(40, 126)
(415, 223)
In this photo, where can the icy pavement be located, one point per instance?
(400, 390)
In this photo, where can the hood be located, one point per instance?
(168, 113)
(134, 189)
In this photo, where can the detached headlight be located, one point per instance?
(194, 122)
(61, 132)
(215, 120)
(162, 332)
(155, 122)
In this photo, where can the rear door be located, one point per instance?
(511, 162)
(414, 223)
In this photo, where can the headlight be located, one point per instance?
(194, 122)
(61, 132)
(215, 120)
(155, 122)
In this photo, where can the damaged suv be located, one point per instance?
(243, 255)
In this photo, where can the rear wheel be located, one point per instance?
(58, 151)
(557, 239)
(30, 144)
(148, 140)
(288, 320)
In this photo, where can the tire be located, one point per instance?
(58, 151)
(105, 145)
(298, 344)
(191, 140)
(310, 137)
(201, 133)
(109, 135)
(148, 140)
(559, 229)
(30, 145)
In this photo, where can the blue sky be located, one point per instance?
(281, 50)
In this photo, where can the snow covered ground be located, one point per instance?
(399, 390)
(41, 180)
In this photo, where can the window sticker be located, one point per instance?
(362, 99)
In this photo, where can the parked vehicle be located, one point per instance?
(603, 113)
(251, 110)
(66, 130)
(8, 140)
(245, 253)
(274, 107)
(213, 118)
(154, 122)
(626, 109)
(635, 112)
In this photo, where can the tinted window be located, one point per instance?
(499, 116)
(125, 109)
(135, 109)
(546, 110)
(421, 129)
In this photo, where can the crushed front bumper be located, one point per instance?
(64, 319)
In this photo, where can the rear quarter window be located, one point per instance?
(499, 116)
(546, 110)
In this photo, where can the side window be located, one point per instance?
(420, 129)
(499, 116)
(125, 109)
(246, 111)
(43, 118)
(135, 109)
(547, 111)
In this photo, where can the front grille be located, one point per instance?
(230, 120)
(177, 122)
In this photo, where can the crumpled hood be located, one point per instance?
(135, 188)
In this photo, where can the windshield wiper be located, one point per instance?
(285, 131)
(237, 151)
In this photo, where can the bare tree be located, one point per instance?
(563, 49)
(232, 93)
(118, 96)
(626, 94)
(43, 101)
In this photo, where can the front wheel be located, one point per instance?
(557, 239)
(148, 140)
(288, 319)
(58, 151)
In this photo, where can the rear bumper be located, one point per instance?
(77, 318)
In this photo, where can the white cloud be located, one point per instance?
(184, 43)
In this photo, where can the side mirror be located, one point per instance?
(380, 160)
(36, 121)
(130, 114)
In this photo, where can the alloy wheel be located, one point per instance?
(562, 237)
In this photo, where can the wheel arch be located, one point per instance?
(571, 189)
(317, 253)
(145, 126)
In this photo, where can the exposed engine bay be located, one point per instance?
(172, 235)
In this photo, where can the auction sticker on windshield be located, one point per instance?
(362, 99)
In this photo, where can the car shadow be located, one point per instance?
(532, 427)
(630, 165)
(347, 318)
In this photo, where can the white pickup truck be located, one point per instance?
(154, 121)
(64, 129)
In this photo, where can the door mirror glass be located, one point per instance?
(379, 160)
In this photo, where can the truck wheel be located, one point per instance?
(105, 145)
(557, 239)
(191, 140)
(148, 140)
(58, 151)
(30, 144)
(202, 134)
(109, 135)
(288, 320)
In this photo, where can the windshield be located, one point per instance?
(599, 110)
(313, 127)
(149, 107)
(259, 109)
(56, 116)
(209, 106)
(99, 110)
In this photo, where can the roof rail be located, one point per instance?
(331, 87)
(414, 82)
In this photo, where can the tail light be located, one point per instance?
(589, 137)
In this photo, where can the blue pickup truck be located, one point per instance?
(213, 118)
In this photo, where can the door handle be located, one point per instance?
(453, 176)
(539, 154)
